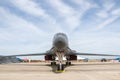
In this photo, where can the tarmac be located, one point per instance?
(77, 71)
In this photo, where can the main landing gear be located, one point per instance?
(53, 63)
(68, 63)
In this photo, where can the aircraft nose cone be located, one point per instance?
(60, 44)
(60, 41)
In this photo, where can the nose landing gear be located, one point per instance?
(60, 68)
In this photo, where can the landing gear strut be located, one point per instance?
(60, 66)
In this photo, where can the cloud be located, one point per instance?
(95, 42)
(107, 22)
(108, 5)
(106, 15)
(82, 7)
(116, 12)
(34, 9)
(12, 26)
(70, 17)
(103, 14)
(18, 35)
(104, 9)
(85, 4)
(30, 7)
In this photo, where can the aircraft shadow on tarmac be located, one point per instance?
(33, 64)
(54, 67)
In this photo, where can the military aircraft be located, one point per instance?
(60, 48)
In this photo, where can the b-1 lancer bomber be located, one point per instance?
(60, 48)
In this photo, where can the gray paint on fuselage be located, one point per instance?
(60, 41)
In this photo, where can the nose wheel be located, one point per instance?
(60, 67)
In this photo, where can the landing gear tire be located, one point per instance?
(68, 63)
(60, 67)
(53, 63)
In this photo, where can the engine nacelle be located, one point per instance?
(49, 57)
(72, 57)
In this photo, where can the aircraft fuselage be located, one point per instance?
(60, 41)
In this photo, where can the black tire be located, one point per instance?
(62, 67)
(58, 67)
(69, 63)
(54, 63)
(51, 63)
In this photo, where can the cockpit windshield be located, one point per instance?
(60, 34)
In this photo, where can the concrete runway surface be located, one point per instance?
(78, 71)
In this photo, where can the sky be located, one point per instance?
(28, 26)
